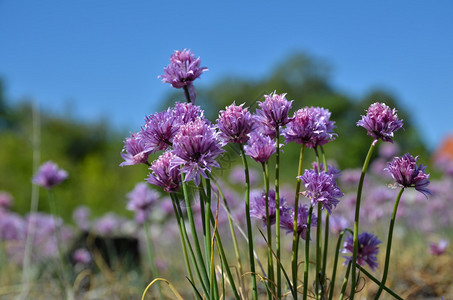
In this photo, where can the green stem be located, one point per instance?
(318, 280)
(357, 214)
(152, 261)
(187, 94)
(345, 281)
(307, 252)
(186, 238)
(326, 229)
(395, 295)
(270, 259)
(295, 250)
(277, 212)
(389, 244)
(249, 224)
(194, 231)
(335, 263)
(183, 241)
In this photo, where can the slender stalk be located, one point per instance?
(249, 225)
(270, 259)
(277, 211)
(207, 226)
(357, 214)
(186, 238)
(151, 258)
(183, 242)
(392, 293)
(326, 229)
(335, 263)
(295, 250)
(307, 252)
(194, 231)
(318, 280)
(389, 244)
(345, 281)
(187, 94)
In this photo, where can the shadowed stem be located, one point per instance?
(389, 244)
(335, 263)
(357, 214)
(345, 281)
(187, 94)
(277, 211)
(249, 225)
(270, 260)
(295, 250)
(307, 251)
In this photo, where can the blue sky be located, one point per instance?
(101, 59)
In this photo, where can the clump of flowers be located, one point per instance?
(321, 188)
(380, 122)
(405, 172)
(368, 249)
(49, 175)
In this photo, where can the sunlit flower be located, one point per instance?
(183, 69)
(49, 175)
(273, 113)
(405, 172)
(134, 151)
(196, 147)
(380, 122)
(321, 188)
(310, 126)
(367, 251)
(163, 174)
(287, 220)
(235, 123)
(260, 147)
(159, 130)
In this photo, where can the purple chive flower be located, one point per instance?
(260, 147)
(310, 126)
(183, 69)
(163, 174)
(81, 256)
(380, 122)
(196, 146)
(287, 220)
(107, 224)
(438, 248)
(188, 112)
(405, 172)
(5, 200)
(81, 217)
(141, 201)
(159, 130)
(258, 206)
(337, 223)
(235, 123)
(134, 151)
(321, 188)
(273, 113)
(367, 251)
(49, 175)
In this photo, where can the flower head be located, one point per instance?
(260, 147)
(438, 248)
(273, 113)
(49, 175)
(134, 151)
(81, 217)
(196, 147)
(321, 188)
(81, 256)
(367, 251)
(183, 69)
(405, 171)
(5, 200)
(141, 200)
(380, 122)
(163, 175)
(338, 223)
(287, 220)
(235, 123)
(188, 112)
(159, 130)
(258, 206)
(310, 126)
